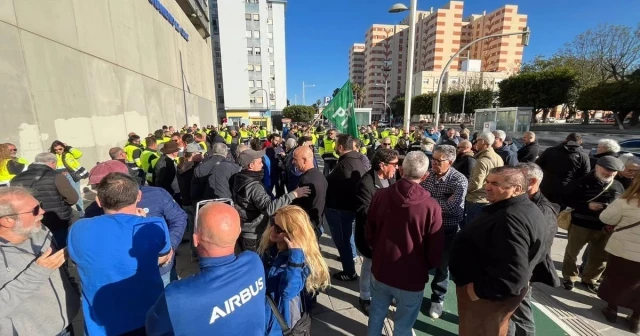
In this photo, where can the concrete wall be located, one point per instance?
(87, 72)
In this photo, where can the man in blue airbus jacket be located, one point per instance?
(227, 297)
(156, 202)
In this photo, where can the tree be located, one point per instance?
(541, 90)
(422, 104)
(621, 97)
(397, 105)
(299, 113)
(335, 92)
(475, 99)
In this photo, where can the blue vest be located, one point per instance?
(227, 297)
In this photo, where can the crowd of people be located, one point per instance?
(398, 204)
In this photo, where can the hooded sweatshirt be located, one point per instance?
(404, 230)
(34, 300)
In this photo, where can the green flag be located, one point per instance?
(340, 111)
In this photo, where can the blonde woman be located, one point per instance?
(293, 265)
(621, 284)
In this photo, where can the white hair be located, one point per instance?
(415, 165)
(532, 170)
(219, 149)
(448, 152)
(499, 134)
(629, 159)
(610, 145)
(45, 158)
(291, 143)
(427, 147)
(487, 136)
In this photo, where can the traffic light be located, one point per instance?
(525, 36)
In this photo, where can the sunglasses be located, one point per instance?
(200, 204)
(277, 229)
(393, 164)
(35, 211)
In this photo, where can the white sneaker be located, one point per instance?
(436, 310)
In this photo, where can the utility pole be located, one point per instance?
(303, 87)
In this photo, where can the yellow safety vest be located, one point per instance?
(160, 141)
(329, 148)
(384, 134)
(223, 134)
(5, 175)
(376, 135)
(394, 140)
(146, 157)
(263, 133)
(244, 135)
(70, 158)
(203, 145)
(130, 149)
(166, 139)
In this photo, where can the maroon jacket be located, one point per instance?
(404, 230)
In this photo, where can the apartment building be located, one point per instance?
(356, 64)
(440, 33)
(249, 59)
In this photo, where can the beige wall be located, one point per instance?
(356, 64)
(87, 72)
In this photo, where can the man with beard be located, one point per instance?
(589, 196)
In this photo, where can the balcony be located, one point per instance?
(198, 13)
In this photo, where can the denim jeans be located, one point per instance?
(168, 277)
(76, 186)
(365, 279)
(521, 322)
(407, 308)
(471, 211)
(341, 226)
(441, 278)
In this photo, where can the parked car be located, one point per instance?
(626, 146)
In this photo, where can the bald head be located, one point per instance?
(464, 147)
(303, 158)
(217, 231)
(528, 137)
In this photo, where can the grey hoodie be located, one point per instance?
(34, 300)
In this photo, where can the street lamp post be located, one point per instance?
(525, 41)
(397, 8)
(385, 96)
(386, 105)
(303, 87)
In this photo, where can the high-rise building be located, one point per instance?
(250, 68)
(356, 64)
(440, 34)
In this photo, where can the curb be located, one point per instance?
(561, 315)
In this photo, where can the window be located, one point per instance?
(271, 63)
(247, 34)
(250, 67)
(426, 81)
(218, 54)
(219, 86)
(256, 34)
(247, 17)
(217, 45)
(270, 35)
(269, 21)
(272, 90)
(270, 50)
(273, 103)
(257, 51)
(256, 17)
(258, 83)
(252, 100)
(250, 83)
(221, 99)
(259, 100)
(258, 67)
(249, 51)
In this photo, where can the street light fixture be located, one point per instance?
(385, 96)
(397, 8)
(303, 87)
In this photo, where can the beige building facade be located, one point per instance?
(440, 33)
(87, 72)
(356, 64)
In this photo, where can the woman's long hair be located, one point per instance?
(54, 145)
(633, 192)
(298, 227)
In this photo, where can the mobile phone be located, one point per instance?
(205, 202)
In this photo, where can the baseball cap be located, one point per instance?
(194, 148)
(101, 170)
(247, 156)
(610, 163)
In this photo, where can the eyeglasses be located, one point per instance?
(35, 211)
(439, 161)
(393, 164)
(277, 229)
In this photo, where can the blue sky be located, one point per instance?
(320, 32)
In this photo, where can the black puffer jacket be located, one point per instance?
(545, 271)
(366, 188)
(212, 178)
(561, 164)
(587, 189)
(465, 163)
(341, 190)
(57, 210)
(529, 153)
(254, 204)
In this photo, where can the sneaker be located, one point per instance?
(364, 306)
(593, 288)
(568, 284)
(342, 276)
(436, 310)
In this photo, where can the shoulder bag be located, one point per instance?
(627, 227)
(302, 327)
(564, 217)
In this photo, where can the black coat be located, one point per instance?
(545, 271)
(498, 251)
(366, 188)
(561, 164)
(529, 153)
(465, 164)
(204, 186)
(165, 175)
(578, 193)
(594, 159)
(185, 176)
(57, 211)
(341, 190)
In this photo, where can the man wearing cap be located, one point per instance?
(589, 196)
(155, 202)
(252, 201)
(561, 164)
(165, 170)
